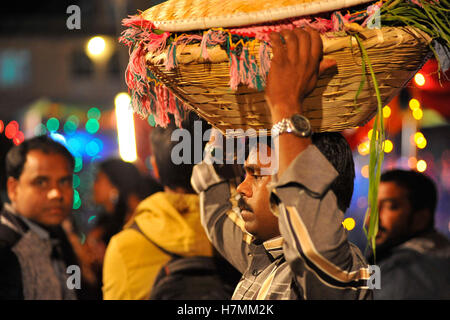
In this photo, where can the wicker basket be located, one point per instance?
(395, 54)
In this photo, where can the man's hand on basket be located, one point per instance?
(295, 67)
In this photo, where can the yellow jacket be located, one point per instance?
(131, 262)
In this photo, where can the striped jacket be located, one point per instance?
(312, 259)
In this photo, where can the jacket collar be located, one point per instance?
(22, 223)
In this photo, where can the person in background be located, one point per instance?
(164, 224)
(414, 258)
(118, 188)
(5, 145)
(34, 250)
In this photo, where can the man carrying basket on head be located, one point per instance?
(287, 240)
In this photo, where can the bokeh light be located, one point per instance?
(18, 138)
(76, 200)
(96, 46)
(92, 148)
(76, 181)
(94, 113)
(349, 223)
(52, 124)
(11, 129)
(70, 127)
(73, 118)
(365, 171)
(414, 104)
(364, 148)
(420, 140)
(74, 145)
(387, 112)
(388, 146)
(412, 162)
(78, 164)
(2, 126)
(419, 79)
(92, 126)
(417, 114)
(421, 165)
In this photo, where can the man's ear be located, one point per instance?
(11, 188)
(155, 167)
(421, 220)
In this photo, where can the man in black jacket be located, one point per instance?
(414, 258)
(34, 250)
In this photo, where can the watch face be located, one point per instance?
(301, 124)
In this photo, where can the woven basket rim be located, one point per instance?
(239, 19)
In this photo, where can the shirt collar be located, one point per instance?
(274, 246)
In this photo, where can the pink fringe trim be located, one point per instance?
(138, 21)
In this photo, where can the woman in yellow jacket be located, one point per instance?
(172, 221)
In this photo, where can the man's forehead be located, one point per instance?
(40, 162)
(259, 156)
(391, 190)
(262, 160)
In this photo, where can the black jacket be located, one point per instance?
(12, 228)
(416, 269)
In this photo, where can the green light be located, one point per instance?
(76, 181)
(70, 127)
(94, 113)
(151, 120)
(73, 118)
(40, 130)
(78, 164)
(92, 126)
(52, 124)
(76, 200)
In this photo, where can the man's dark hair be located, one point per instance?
(17, 156)
(421, 190)
(170, 174)
(336, 149)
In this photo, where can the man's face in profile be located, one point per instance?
(254, 204)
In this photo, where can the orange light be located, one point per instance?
(412, 162)
(365, 171)
(421, 165)
(2, 126)
(419, 79)
(364, 148)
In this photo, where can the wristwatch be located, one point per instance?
(297, 124)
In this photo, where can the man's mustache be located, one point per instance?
(244, 205)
